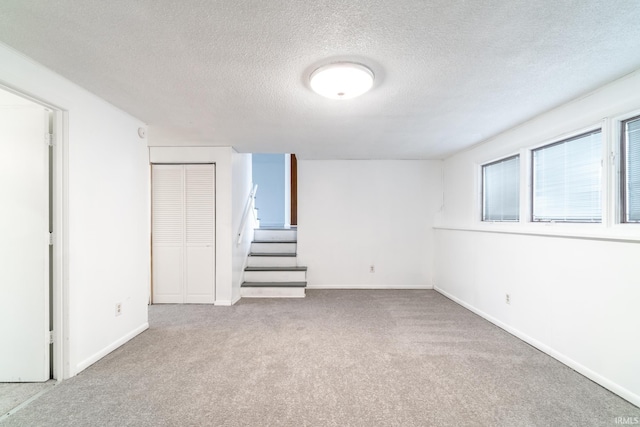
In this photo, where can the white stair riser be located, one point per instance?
(274, 248)
(272, 261)
(275, 276)
(272, 292)
(271, 235)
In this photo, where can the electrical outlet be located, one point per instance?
(372, 269)
(118, 309)
(507, 298)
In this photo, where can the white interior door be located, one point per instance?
(24, 246)
(167, 211)
(183, 239)
(199, 234)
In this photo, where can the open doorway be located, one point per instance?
(31, 248)
(276, 177)
(293, 179)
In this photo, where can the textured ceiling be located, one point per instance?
(449, 73)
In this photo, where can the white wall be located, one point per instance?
(573, 288)
(222, 157)
(241, 188)
(356, 213)
(107, 237)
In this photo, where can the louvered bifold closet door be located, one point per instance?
(167, 196)
(199, 238)
(183, 239)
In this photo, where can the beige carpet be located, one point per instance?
(336, 358)
(14, 394)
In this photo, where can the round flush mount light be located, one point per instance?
(341, 80)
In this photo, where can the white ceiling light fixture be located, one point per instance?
(341, 80)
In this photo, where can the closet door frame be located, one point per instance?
(206, 250)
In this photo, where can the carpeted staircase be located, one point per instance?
(272, 267)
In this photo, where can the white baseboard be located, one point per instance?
(236, 299)
(108, 349)
(369, 287)
(593, 376)
(223, 302)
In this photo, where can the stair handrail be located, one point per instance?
(250, 205)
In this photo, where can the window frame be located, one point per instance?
(622, 168)
(587, 132)
(482, 189)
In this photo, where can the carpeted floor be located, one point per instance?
(14, 394)
(336, 358)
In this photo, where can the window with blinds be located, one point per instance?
(501, 190)
(631, 170)
(567, 180)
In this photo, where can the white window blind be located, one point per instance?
(631, 186)
(567, 180)
(501, 190)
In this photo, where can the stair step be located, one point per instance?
(275, 254)
(275, 274)
(273, 247)
(274, 285)
(272, 260)
(273, 241)
(272, 291)
(275, 234)
(275, 269)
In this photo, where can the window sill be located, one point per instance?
(617, 233)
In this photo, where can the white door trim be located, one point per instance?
(61, 367)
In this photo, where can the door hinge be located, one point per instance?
(49, 139)
(50, 239)
(50, 337)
